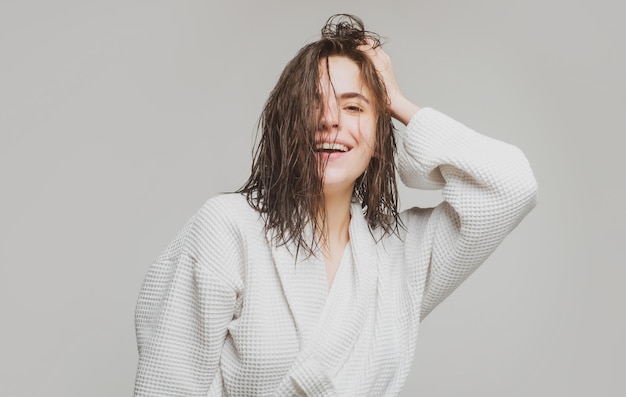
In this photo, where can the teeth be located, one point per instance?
(331, 146)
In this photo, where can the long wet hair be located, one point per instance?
(285, 184)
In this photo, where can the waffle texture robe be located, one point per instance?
(222, 312)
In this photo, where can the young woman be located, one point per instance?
(308, 281)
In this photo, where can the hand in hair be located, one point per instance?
(400, 107)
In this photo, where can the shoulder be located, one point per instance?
(219, 234)
(224, 212)
(228, 206)
(221, 221)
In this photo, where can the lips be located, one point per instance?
(331, 147)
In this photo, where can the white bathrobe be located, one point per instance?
(224, 313)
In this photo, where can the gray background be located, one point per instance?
(118, 119)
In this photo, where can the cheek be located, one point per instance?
(368, 136)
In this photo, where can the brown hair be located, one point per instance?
(285, 184)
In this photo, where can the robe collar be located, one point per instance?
(327, 334)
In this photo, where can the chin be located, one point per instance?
(338, 185)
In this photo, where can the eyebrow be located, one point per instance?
(350, 95)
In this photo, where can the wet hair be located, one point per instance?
(285, 184)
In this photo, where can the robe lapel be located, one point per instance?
(341, 322)
(304, 284)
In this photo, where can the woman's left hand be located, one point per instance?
(400, 107)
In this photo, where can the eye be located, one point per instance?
(354, 108)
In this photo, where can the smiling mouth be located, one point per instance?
(331, 147)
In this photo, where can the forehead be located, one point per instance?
(341, 75)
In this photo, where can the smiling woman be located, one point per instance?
(308, 280)
(315, 99)
(347, 129)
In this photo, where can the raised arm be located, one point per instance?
(487, 186)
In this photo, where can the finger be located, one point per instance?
(366, 48)
(370, 45)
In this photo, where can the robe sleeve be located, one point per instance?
(185, 304)
(487, 186)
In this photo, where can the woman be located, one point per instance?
(308, 281)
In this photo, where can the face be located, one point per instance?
(345, 140)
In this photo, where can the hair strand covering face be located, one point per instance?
(285, 184)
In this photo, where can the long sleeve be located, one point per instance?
(185, 305)
(487, 186)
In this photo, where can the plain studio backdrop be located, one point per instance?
(119, 119)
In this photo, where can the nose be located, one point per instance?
(329, 118)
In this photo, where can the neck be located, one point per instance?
(337, 220)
